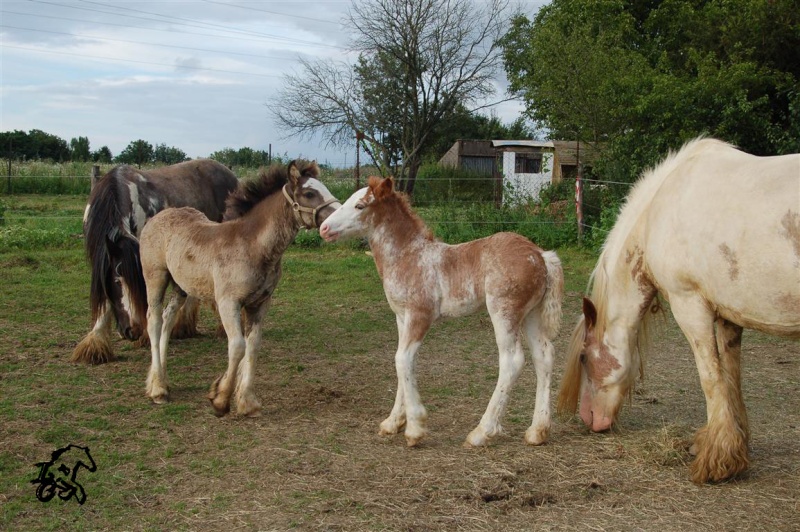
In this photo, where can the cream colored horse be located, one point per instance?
(236, 264)
(716, 232)
(424, 279)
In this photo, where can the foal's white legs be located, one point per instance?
(159, 326)
(721, 445)
(408, 409)
(239, 375)
(542, 352)
(247, 404)
(511, 362)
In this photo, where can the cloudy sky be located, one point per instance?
(199, 75)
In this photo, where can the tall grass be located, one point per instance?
(459, 206)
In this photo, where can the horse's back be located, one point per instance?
(727, 224)
(201, 183)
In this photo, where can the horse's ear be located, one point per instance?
(384, 188)
(589, 312)
(294, 173)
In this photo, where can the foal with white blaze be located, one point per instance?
(424, 279)
(236, 263)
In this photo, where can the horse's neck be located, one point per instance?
(273, 223)
(397, 233)
(622, 286)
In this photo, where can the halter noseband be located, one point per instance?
(298, 209)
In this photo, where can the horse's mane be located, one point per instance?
(630, 217)
(250, 193)
(399, 200)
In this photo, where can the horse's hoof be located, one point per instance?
(160, 399)
(413, 442)
(220, 411)
(535, 436)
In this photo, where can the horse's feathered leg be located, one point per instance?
(721, 445)
(511, 362)
(186, 321)
(95, 348)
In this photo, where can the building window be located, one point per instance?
(526, 164)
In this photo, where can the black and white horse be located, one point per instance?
(119, 205)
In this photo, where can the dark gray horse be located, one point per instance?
(119, 205)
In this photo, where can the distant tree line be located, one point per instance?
(38, 145)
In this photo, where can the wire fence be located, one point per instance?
(457, 209)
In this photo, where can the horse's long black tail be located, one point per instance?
(102, 221)
(106, 237)
(130, 270)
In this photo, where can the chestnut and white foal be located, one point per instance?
(424, 279)
(236, 263)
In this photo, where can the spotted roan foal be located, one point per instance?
(236, 264)
(424, 279)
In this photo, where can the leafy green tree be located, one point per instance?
(79, 149)
(645, 77)
(41, 145)
(103, 155)
(168, 154)
(137, 152)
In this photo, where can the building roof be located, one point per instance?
(527, 143)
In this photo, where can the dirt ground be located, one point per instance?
(314, 460)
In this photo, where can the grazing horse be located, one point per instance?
(716, 232)
(424, 279)
(119, 205)
(236, 264)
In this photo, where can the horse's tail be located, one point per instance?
(100, 224)
(106, 237)
(130, 270)
(551, 305)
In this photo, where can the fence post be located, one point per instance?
(359, 138)
(95, 176)
(579, 191)
(8, 190)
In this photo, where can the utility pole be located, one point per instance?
(359, 138)
(579, 191)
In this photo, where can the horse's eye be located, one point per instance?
(308, 195)
(360, 206)
(583, 358)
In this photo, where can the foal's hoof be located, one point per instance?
(161, 399)
(536, 436)
(220, 411)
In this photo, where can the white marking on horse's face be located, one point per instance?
(320, 187)
(347, 221)
(86, 212)
(139, 216)
(605, 379)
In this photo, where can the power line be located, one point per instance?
(146, 43)
(170, 31)
(190, 23)
(271, 12)
(138, 62)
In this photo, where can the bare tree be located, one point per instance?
(418, 60)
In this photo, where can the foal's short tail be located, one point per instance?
(551, 305)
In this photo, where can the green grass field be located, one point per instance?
(325, 377)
